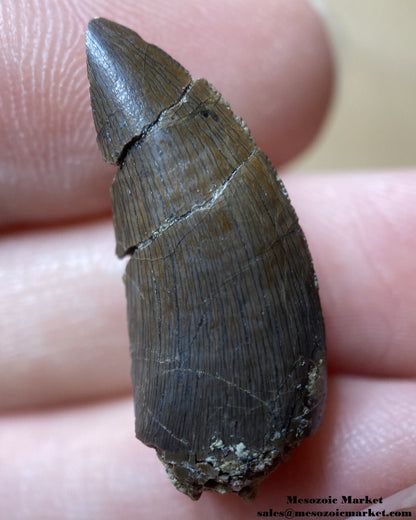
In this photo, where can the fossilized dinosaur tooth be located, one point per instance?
(226, 331)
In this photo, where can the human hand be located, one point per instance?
(67, 434)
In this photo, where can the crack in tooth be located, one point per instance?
(137, 138)
(197, 207)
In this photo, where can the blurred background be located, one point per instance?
(372, 123)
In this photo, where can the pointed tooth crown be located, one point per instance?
(131, 83)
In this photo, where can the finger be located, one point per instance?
(62, 305)
(360, 228)
(272, 63)
(63, 317)
(86, 460)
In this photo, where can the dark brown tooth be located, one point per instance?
(226, 331)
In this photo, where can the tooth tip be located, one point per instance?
(131, 82)
(95, 25)
(98, 22)
(101, 30)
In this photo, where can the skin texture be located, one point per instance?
(67, 448)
